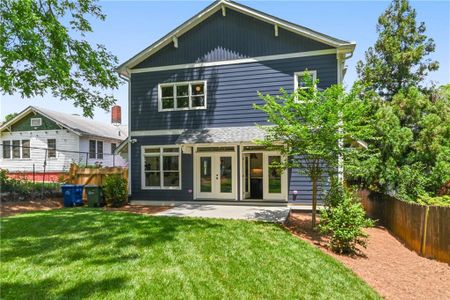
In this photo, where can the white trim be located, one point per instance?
(275, 29)
(297, 74)
(174, 85)
(284, 196)
(156, 132)
(236, 61)
(214, 161)
(39, 122)
(160, 154)
(175, 41)
(210, 10)
(224, 11)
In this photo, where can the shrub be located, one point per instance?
(438, 201)
(344, 224)
(115, 190)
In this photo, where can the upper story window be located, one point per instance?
(299, 79)
(182, 96)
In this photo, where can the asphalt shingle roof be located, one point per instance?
(221, 135)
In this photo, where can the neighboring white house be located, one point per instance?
(39, 137)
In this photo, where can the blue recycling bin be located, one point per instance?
(73, 194)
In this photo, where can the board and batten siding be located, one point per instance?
(230, 37)
(231, 92)
(65, 140)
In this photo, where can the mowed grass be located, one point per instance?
(88, 253)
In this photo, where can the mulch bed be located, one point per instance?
(13, 208)
(394, 271)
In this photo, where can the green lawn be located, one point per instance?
(74, 253)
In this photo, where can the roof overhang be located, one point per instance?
(30, 109)
(173, 36)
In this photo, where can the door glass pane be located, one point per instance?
(247, 173)
(225, 175)
(205, 175)
(274, 175)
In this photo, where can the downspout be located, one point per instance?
(127, 79)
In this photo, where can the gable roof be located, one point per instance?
(79, 125)
(345, 46)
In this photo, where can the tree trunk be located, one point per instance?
(314, 201)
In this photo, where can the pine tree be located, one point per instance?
(398, 59)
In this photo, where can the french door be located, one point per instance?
(216, 176)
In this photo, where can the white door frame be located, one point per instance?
(215, 165)
(284, 178)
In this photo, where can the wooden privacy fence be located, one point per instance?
(424, 229)
(85, 176)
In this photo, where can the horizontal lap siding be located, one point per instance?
(235, 36)
(231, 92)
(159, 195)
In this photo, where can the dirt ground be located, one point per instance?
(390, 268)
(13, 208)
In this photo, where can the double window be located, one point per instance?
(95, 149)
(182, 96)
(18, 149)
(161, 167)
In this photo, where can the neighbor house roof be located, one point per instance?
(221, 135)
(79, 125)
(172, 36)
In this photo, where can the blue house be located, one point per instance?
(191, 123)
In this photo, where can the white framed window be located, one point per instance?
(95, 149)
(182, 95)
(299, 79)
(51, 148)
(161, 167)
(35, 122)
(16, 149)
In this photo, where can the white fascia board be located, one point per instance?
(236, 61)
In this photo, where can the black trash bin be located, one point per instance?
(94, 195)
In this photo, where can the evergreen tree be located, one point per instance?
(398, 59)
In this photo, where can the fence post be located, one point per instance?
(424, 231)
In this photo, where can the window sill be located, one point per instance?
(181, 109)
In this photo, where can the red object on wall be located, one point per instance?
(116, 115)
(49, 176)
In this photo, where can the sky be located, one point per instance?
(131, 26)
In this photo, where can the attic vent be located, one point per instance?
(36, 122)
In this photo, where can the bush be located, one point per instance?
(437, 201)
(115, 190)
(344, 224)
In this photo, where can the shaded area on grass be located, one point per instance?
(92, 253)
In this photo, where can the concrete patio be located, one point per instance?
(257, 213)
